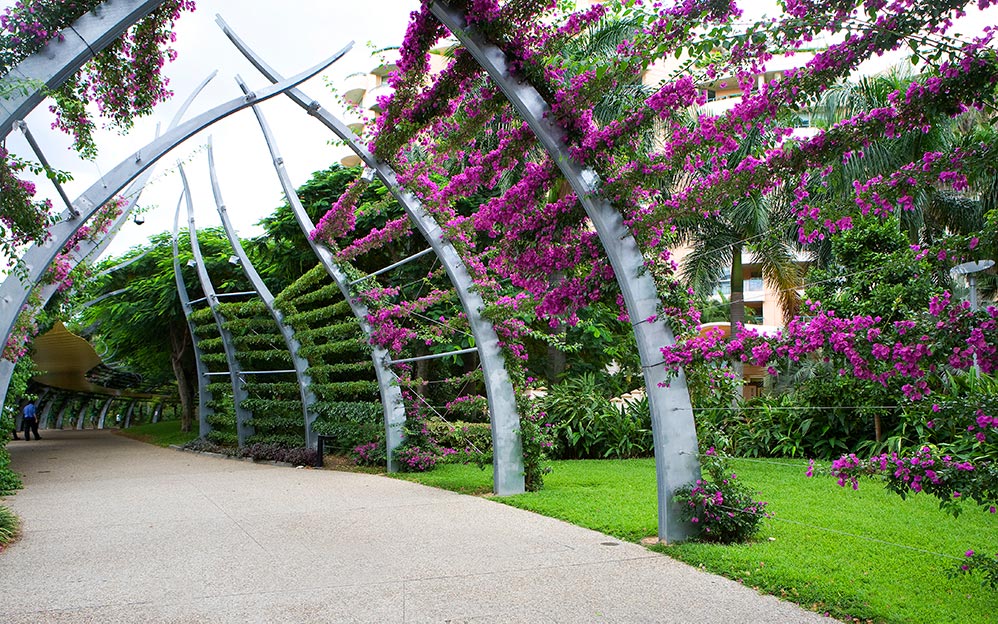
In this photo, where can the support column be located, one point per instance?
(81, 420)
(103, 413)
(669, 400)
(62, 412)
(299, 363)
(128, 415)
(503, 416)
(46, 413)
(243, 416)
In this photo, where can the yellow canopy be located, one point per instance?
(64, 359)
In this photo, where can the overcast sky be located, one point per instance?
(291, 35)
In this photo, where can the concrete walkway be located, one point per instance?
(120, 531)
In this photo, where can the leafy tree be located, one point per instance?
(873, 271)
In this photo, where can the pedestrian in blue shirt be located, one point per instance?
(29, 422)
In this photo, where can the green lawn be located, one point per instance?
(162, 433)
(802, 554)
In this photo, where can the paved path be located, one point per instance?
(120, 531)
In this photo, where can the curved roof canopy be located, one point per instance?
(65, 360)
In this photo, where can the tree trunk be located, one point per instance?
(737, 310)
(179, 343)
(737, 288)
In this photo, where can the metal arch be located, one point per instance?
(64, 56)
(126, 422)
(669, 400)
(391, 394)
(103, 413)
(287, 333)
(239, 394)
(81, 420)
(121, 265)
(45, 412)
(204, 395)
(14, 292)
(507, 460)
(89, 247)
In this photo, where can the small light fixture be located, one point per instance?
(191, 263)
(234, 260)
(138, 219)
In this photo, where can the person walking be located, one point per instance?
(29, 422)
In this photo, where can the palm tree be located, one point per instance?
(763, 226)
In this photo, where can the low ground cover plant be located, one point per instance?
(718, 504)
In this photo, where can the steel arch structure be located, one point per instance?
(507, 442)
(267, 297)
(14, 291)
(87, 248)
(204, 395)
(63, 56)
(243, 416)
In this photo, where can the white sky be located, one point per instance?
(291, 35)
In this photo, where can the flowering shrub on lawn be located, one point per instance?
(415, 459)
(720, 506)
(370, 454)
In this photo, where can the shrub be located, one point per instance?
(467, 439)
(588, 426)
(273, 452)
(719, 505)
(351, 424)
(202, 445)
(8, 525)
(415, 459)
(370, 454)
(9, 480)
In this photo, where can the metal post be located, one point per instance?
(82, 418)
(46, 413)
(391, 394)
(204, 395)
(128, 415)
(243, 416)
(23, 127)
(103, 413)
(62, 412)
(507, 444)
(671, 411)
(287, 333)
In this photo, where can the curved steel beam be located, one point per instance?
(62, 57)
(669, 400)
(204, 395)
(89, 247)
(121, 265)
(391, 394)
(102, 415)
(127, 422)
(239, 394)
(14, 291)
(506, 440)
(287, 333)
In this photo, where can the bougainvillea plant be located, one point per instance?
(660, 154)
(124, 81)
